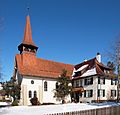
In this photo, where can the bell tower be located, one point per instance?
(27, 45)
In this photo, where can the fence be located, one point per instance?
(101, 111)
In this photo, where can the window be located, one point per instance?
(113, 81)
(77, 83)
(113, 93)
(57, 85)
(80, 82)
(35, 94)
(88, 93)
(101, 93)
(45, 86)
(30, 94)
(101, 80)
(32, 82)
(89, 81)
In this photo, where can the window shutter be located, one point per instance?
(85, 93)
(98, 92)
(103, 93)
(104, 80)
(98, 80)
(91, 93)
(91, 80)
(85, 81)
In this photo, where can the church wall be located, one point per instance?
(38, 86)
(48, 96)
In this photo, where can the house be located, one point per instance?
(36, 76)
(93, 81)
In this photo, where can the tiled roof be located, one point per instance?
(29, 65)
(90, 64)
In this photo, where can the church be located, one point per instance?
(36, 76)
(92, 81)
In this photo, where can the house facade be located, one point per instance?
(93, 81)
(36, 76)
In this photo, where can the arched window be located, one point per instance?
(30, 94)
(57, 85)
(35, 94)
(45, 86)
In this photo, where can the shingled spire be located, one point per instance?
(27, 44)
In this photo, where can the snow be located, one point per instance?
(50, 109)
(4, 103)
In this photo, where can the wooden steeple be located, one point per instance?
(27, 45)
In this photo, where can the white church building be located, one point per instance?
(36, 76)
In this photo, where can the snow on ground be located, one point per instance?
(4, 103)
(49, 109)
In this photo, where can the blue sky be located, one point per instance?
(67, 31)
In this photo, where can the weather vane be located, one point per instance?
(28, 10)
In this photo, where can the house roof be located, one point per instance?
(93, 67)
(29, 65)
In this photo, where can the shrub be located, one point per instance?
(15, 103)
(34, 101)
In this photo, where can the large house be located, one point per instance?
(93, 81)
(36, 76)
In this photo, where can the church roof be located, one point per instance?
(32, 66)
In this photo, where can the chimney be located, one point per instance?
(98, 57)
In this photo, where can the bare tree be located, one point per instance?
(114, 55)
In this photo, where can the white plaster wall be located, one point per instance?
(89, 72)
(31, 87)
(46, 96)
(107, 86)
(89, 87)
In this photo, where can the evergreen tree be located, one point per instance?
(63, 86)
(12, 88)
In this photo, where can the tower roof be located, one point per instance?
(27, 40)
